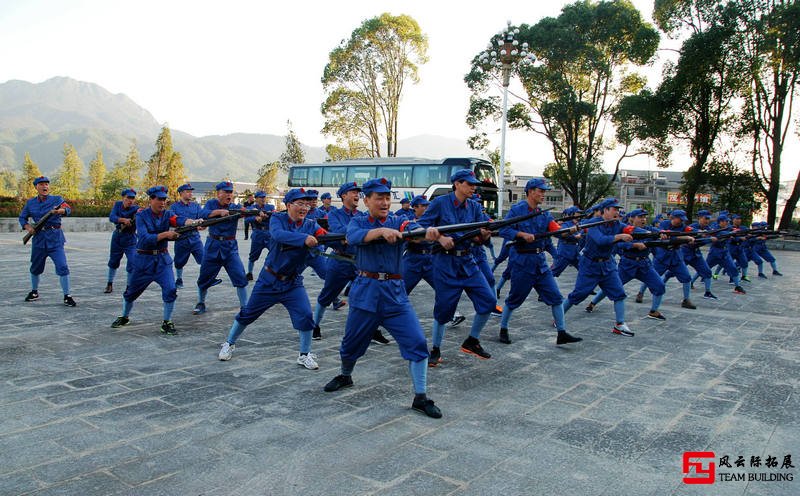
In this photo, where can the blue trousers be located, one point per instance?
(676, 269)
(698, 263)
(591, 274)
(258, 242)
(565, 257)
(522, 282)
(414, 268)
(152, 268)
(722, 258)
(122, 244)
(185, 247)
(402, 324)
(55, 252)
(217, 257)
(267, 292)
(339, 273)
(448, 292)
(642, 270)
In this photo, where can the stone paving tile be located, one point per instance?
(91, 410)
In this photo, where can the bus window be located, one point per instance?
(439, 192)
(334, 176)
(425, 175)
(485, 172)
(314, 176)
(299, 177)
(360, 174)
(399, 175)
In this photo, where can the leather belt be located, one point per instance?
(151, 252)
(570, 241)
(456, 253)
(279, 276)
(260, 228)
(635, 258)
(600, 259)
(48, 228)
(344, 254)
(416, 249)
(380, 276)
(221, 238)
(526, 251)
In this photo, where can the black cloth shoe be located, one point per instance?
(179, 283)
(688, 304)
(339, 382)
(380, 338)
(436, 357)
(426, 406)
(473, 346)
(316, 334)
(109, 288)
(566, 338)
(504, 336)
(739, 290)
(457, 320)
(590, 308)
(249, 276)
(68, 301)
(32, 296)
(655, 315)
(639, 297)
(121, 321)
(776, 273)
(709, 296)
(167, 327)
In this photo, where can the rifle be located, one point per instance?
(208, 222)
(666, 243)
(558, 232)
(691, 234)
(37, 227)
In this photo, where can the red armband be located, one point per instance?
(320, 232)
(688, 229)
(628, 229)
(403, 225)
(64, 205)
(173, 221)
(553, 226)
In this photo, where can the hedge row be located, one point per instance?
(11, 207)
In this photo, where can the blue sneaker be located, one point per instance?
(199, 308)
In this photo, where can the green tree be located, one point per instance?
(733, 188)
(364, 80)
(69, 177)
(693, 104)
(125, 174)
(584, 56)
(97, 176)
(771, 33)
(165, 166)
(30, 171)
(268, 177)
(293, 154)
(9, 182)
(351, 149)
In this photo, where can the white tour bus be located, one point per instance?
(409, 176)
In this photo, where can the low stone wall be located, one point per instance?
(68, 224)
(783, 244)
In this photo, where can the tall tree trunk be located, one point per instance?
(791, 204)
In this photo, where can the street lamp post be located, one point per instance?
(505, 56)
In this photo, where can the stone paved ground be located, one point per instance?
(85, 409)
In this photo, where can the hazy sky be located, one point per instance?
(220, 67)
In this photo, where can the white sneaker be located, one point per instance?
(308, 361)
(623, 330)
(227, 351)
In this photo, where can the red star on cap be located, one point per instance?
(383, 180)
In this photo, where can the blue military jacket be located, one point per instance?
(290, 263)
(118, 211)
(445, 210)
(338, 219)
(370, 294)
(36, 208)
(258, 225)
(148, 227)
(226, 229)
(189, 210)
(542, 223)
(406, 214)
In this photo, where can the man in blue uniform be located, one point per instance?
(123, 238)
(597, 266)
(405, 211)
(417, 261)
(339, 272)
(694, 257)
(152, 261)
(189, 243)
(281, 280)
(736, 245)
(49, 242)
(718, 254)
(567, 252)
(326, 203)
(318, 262)
(635, 263)
(378, 296)
(260, 226)
(669, 262)
(221, 248)
(454, 268)
(528, 264)
(759, 247)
